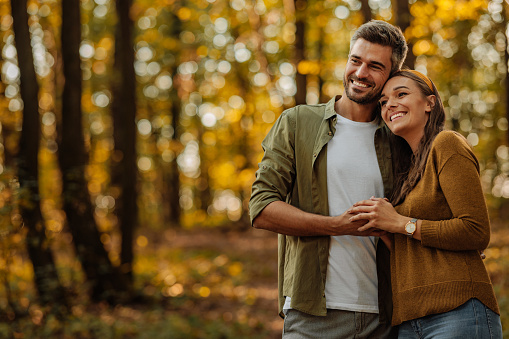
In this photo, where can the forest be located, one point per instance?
(130, 134)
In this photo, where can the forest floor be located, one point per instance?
(256, 250)
(198, 283)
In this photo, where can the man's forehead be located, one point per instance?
(365, 49)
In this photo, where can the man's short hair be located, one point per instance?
(385, 34)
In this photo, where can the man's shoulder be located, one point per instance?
(303, 111)
(385, 133)
(307, 116)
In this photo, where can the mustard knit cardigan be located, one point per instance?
(445, 269)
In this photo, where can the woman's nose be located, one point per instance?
(390, 103)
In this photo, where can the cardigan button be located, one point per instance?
(314, 155)
(330, 133)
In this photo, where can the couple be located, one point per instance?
(334, 181)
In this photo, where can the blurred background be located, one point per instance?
(130, 133)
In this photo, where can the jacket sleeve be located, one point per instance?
(276, 171)
(469, 229)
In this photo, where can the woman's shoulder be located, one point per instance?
(451, 140)
(450, 136)
(449, 143)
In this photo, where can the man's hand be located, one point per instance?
(343, 225)
(283, 218)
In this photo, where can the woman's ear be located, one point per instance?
(431, 102)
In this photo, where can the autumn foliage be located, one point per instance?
(144, 135)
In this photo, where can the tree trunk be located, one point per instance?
(124, 171)
(321, 45)
(506, 59)
(403, 20)
(173, 175)
(366, 10)
(45, 274)
(300, 47)
(172, 172)
(105, 280)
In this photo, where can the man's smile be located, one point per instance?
(359, 83)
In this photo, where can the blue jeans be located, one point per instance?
(472, 320)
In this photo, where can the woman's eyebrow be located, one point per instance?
(399, 87)
(394, 89)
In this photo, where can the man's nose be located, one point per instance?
(362, 71)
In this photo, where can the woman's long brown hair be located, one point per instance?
(408, 173)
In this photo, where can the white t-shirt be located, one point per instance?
(353, 174)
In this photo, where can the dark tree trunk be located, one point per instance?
(300, 79)
(105, 280)
(366, 10)
(172, 172)
(45, 274)
(321, 82)
(124, 171)
(300, 50)
(173, 175)
(403, 20)
(506, 58)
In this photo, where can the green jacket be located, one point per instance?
(294, 170)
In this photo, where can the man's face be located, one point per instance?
(367, 70)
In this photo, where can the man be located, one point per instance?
(319, 160)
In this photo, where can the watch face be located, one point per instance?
(410, 227)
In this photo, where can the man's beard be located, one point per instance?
(365, 99)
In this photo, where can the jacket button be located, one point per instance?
(330, 133)
(314, 155)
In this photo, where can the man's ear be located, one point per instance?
(431, 102)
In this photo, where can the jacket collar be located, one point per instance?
(330, 112)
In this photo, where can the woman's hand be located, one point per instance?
(380, 214)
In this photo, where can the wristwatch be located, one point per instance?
(410, 227)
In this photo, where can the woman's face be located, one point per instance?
(405, 109)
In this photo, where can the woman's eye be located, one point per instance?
(383, 102)
(402, 94)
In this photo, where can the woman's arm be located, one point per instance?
(380, 214)
(469, 229)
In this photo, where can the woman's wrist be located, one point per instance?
(403, 225)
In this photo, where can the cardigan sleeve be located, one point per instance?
(458, 175)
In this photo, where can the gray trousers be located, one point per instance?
(337, 324)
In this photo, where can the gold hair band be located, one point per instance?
(422, 76)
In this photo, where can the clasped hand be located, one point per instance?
(379, 213)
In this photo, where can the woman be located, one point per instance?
(440, 224)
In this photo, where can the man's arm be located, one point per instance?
(283, 218)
